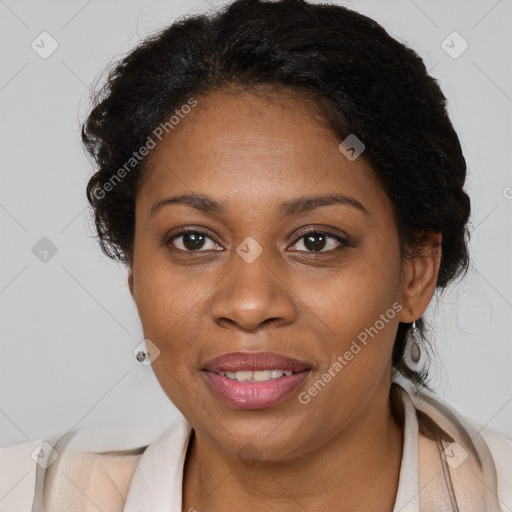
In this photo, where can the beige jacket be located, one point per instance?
(150, 477)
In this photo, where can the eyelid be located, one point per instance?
(183, 231)
(343, 238)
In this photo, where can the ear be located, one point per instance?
(130, 280)
(419, 277)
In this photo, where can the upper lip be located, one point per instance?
(253, 361)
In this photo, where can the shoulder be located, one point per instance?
(501, 451)
(36, 475)
(19, 472)
(461, 427)
(89, 481)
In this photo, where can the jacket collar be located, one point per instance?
(158, 479)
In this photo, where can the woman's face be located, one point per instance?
(258, 281)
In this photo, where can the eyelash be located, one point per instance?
(343, 241)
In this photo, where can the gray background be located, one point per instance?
(68, 324)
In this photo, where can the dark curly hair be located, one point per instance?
(365, 82)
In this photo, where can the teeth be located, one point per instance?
(256, 376)
(275, 374)
(243, 376)
(261, 375)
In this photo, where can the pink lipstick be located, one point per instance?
(255, 380)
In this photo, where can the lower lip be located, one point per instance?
(255, 395)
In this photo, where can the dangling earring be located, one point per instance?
(413, 354)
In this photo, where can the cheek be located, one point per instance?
(168, 310)
(359, 327)
(356, 349)
(359, 307)
(355, 296)
(164, 293)
(172, 305)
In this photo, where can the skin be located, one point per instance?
(251, 153)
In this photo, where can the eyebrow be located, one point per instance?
(296, 206)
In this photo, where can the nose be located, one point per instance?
(253, 295)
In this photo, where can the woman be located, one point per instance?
(286, 189)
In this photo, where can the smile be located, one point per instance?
(256, 376)
(255, 380)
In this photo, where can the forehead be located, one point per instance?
(247, 147)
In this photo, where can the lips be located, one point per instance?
(255, 380)
(254, 361)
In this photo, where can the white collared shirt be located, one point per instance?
(155, 482)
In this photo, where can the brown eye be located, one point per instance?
(192, 240)
(317, 241)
